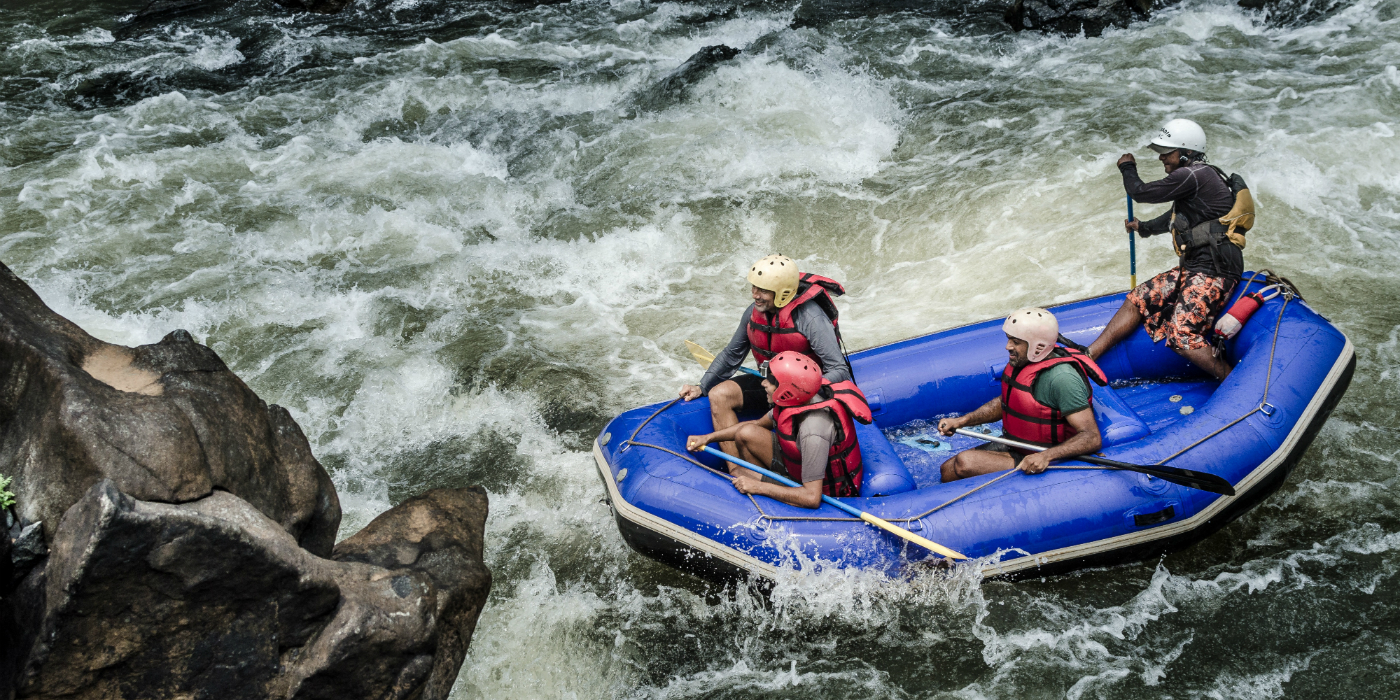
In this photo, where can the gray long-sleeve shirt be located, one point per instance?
(810, 321)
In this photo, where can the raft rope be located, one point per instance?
(1289, 293)
(633, 441)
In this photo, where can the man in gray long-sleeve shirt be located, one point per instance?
(790, 311)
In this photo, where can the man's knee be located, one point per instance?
(1182, 343)
(750, 435)
(952, 468)
(726, 396)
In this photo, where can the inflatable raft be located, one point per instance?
(1291, 366)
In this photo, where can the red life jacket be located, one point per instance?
(770, 334)
(843, 470)
(1028, 420)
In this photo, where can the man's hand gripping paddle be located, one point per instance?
(1176, 475)
(704, 357)
(877, 522)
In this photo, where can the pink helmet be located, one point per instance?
(797, 376)
(1037, 327)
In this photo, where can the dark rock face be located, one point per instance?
(173, 536)
(166, 422)
(973, 16)
(675, 87)
(430, 543)
(213, 599)
(324, 7)
(159, 600)
(1073, 16)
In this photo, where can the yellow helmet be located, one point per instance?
(777, 274)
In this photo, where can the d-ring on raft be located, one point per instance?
(1291, 366)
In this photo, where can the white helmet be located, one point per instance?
(1037, 327)
(1180, 133)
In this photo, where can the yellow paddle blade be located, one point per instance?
(926, 544)
(700, 354)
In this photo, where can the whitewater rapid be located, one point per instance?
(453, 242)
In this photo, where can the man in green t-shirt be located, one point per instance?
(1045, 400)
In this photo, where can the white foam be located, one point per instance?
(505, 187)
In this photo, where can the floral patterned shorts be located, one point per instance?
(1181, 306)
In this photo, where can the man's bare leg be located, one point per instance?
(1119, 327)
(756, 447)
(1205, 359)
(976, 463)
(725, 400)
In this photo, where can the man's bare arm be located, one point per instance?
(695, 443)
(989, 412)
(809, 495)
(1083, 442)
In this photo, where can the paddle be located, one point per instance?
(1132, 249)
(704, 357)
(1176, 475)
(887, 527)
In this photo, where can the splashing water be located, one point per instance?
(454, 242)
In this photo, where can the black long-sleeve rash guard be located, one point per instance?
(1197, 193)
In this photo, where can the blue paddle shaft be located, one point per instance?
(1132, 245)
(752, 371)
(778, 478)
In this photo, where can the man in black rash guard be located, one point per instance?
(1181, 304)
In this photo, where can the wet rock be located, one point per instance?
(26, 549)
(213, 599)
(1074, 16)
(159, 600)
(166, 422)
(973, 16)
(324, 7)
(7, 572)
(675, 87)
(428, 544)
(172, 536)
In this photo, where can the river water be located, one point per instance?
(455, 238)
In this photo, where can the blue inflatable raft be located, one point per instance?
(1291, 368)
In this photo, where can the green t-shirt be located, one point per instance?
(1062, 388)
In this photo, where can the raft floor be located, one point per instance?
(923, 450)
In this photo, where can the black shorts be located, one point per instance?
(998, 447)
(755, 398)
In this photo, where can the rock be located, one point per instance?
(675, 87)
(1074, 16)
(324, 7)
(972, 16)
(432, 542)
(213, 599)
(159, 600)
(7, 571)
(166, 422)
(173, 536)
(25, 551)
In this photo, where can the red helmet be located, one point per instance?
(797, 376)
